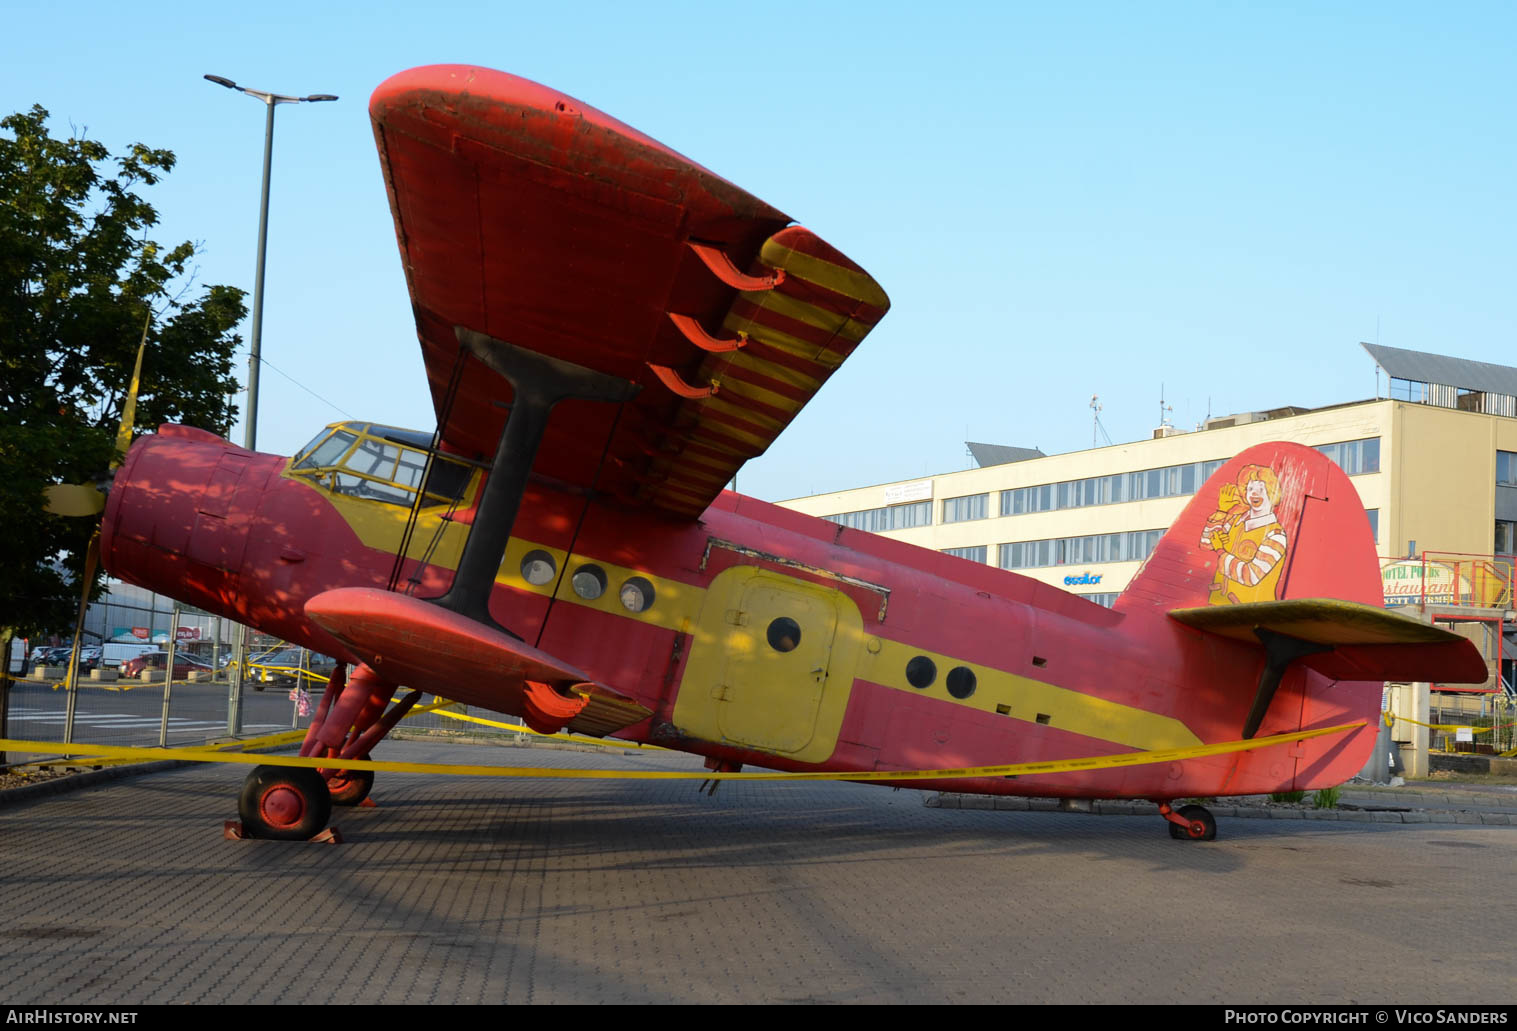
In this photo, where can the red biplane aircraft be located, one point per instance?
(610, 331)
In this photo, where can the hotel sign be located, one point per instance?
(921, 490)
(1413, 582)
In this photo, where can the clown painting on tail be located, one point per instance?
(1247, 533)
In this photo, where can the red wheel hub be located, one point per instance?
(282, 806)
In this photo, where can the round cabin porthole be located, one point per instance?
(921, 672)
(637, 595)
(538, 567)
(961, 682)
(589, 582)
(784, 634)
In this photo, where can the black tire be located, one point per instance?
(284, 803)
(350, 787)
(1201, 825)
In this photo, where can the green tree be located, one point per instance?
(79, 276)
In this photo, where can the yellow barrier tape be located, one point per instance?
(283, 737)
(578, 739)
(1098, 762)
(130, 684)
(295, 670)
(1390, 721)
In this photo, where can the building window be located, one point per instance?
(1374, 514)
(1506, 537)
(1106, 601)
(959, 510)
(1355, 456)
(1131, 546)
(1408, 390)
(1169, 482)
(1506, 468)
(977, 554)
(892, 517)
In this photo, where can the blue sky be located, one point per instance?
(1213, 200)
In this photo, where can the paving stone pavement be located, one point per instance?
(467, 890)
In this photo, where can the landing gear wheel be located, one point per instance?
(350, 787)
(284, 803)
(1200, 824)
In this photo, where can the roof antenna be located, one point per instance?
(1095, 408)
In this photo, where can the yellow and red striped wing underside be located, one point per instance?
(537, 220)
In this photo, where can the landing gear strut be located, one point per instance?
(1190, 823)
(354, 715)
(295, 803)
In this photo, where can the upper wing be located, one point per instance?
(541, 222)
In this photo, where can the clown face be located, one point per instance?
(1257, 498)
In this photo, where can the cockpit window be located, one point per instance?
(324, 453)
(448, 479)
(412, 463)
(370, 462)
(374, 458)
(378, 490)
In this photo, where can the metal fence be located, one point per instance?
(1491, 725)
(193, 711)
(135, 712)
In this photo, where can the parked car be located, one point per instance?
(50, 655)
(277, 665)
(114, 653)
(183, 664)
(89, 658)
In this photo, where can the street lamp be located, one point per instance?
(250, 437)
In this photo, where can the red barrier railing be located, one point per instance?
(1449, 578)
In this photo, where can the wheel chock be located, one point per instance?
(232, 830)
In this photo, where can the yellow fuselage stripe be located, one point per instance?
(677, 607)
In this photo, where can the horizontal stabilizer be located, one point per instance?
(1361, 642)
(420, 645)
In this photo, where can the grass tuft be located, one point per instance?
(1326, 798)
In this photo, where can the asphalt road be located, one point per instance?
(468, 890)
(132, 716)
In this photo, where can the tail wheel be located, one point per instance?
(1200, 824)
(284, 803)
(350, 787)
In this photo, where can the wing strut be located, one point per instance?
(538, 382)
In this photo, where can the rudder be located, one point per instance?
(1278, 521)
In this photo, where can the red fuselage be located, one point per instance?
(768, 637)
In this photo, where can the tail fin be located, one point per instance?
(1278, 522)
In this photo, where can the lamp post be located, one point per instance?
(270, 101)
(250, 433)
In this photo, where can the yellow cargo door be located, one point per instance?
(773, 664)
